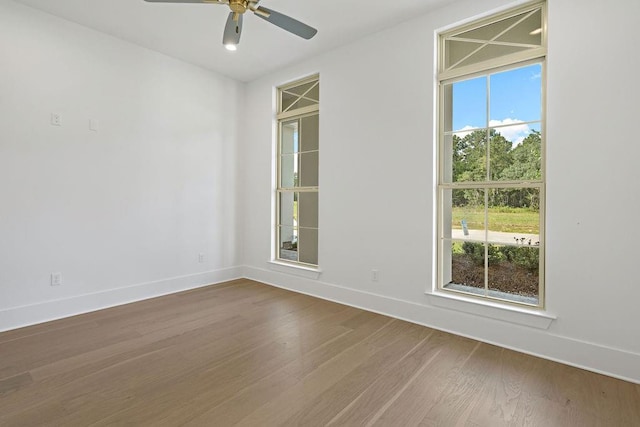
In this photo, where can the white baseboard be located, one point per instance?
(17, 317)
(541, 343)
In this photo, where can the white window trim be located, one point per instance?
(528, 315)
(311, 271)
(300, 270)
(521, 315)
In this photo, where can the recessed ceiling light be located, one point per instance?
(536, 31)
(231, 47)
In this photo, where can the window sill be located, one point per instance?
(296, 270)
(522, 316)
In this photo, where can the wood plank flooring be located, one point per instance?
(247, 354)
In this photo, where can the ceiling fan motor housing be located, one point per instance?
(238, 6)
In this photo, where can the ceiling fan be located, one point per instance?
(233, 28)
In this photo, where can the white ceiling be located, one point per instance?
(193, 32)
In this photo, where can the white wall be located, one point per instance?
(377, 186)
(123, 212)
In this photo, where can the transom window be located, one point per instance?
(491, 157)
(298, 161)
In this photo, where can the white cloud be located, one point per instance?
(516, 131)
(464, 131)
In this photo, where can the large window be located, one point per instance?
(297, 180)
(491, 157)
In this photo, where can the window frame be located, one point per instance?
(444, 77)
(282, 117)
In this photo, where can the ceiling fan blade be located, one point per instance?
(233, 29)
(189, 1)
(285, 22)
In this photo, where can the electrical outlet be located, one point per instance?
(94, 125)
(200, 258)
(374, 275)
(56, 279)
(56, 119)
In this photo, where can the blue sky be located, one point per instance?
(515, 97)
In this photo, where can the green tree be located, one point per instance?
(525, 165)
(469, 163)
(500, 154)
(507, 163)
(526, 160)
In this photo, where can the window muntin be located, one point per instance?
(298, 172)
(491, 169)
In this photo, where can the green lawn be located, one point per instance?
(516, 220)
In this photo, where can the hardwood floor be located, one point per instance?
(247, 354)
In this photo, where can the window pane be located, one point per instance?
(457, 50)
(309, 90)
(288, 209)
(289, 137)
(314, 93)
(466, 157)
(303, 102)
(308, 246)
(516, 95)
(514, 216)
(308, 209)
(468, 104)
(300, 96)
(492, 30)
(286, 100)
(529, 31)
(467, 214)
(288, 244)
(515, 153)
(514, 273)
(289, 171)
(491, 51)
(499, 152)
(309, 169)
(309, 130)
(467, 267)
